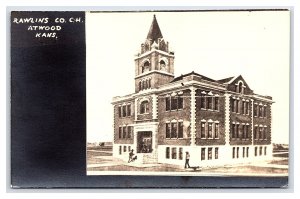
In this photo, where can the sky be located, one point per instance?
(218, 45)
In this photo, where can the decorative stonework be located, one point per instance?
(252, 123)
(227, 119)
(154, 106)
(135, 108)
(193, 116)
(270, 118)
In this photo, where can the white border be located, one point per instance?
(4, 86)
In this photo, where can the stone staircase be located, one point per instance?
(150, 158)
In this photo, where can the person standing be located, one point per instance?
(187, 160)
(131, 154)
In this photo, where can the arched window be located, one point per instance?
(162, 65)
(146, 66)
(147, 84)
(144, 107)
(140, 85)
(241, 89)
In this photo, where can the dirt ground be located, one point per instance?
(102, 160)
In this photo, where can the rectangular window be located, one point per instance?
(248, 108)
(174, 103)
(174, 153)
(202, 153)
(120, 111)
(255, 110)
(180, 129)
(235, 106)
(120, 132)
(238, 106)
(255, 151)
(260, 111)
(264, 133)
(244, 131)
(120, 150)
(237, 131)
(209, 130)
(124, 147)
(129, 148)
(124, 111)
(209, 153)
(244, 107)
(168, 130)
(265, 111)
(233, 152)
(232, 104)
(243, 152)
(233, 130)
(260, 132)
(173, 130)
(168, 153)
(247, 152)
(216, 153)
(216, 103)
(237, 152)
(129, 110)
(209, 99)
(180, 102)
(129, 131)
(216, 130)
(202, 129)
(260, 150)
(124, 132)
(265, 150)
(255, 132)
(202, 101)
(180, 153)
(247, 132)
(168, 103)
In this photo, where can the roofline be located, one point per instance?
(154, 50)
(154, 71)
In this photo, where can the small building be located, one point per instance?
(217, 121)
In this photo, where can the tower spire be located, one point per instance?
(154, 33)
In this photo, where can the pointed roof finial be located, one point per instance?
(154, 32)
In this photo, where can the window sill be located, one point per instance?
(143, 113)
(125, 117)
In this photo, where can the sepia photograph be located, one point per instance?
(188, 93)
(150, 98)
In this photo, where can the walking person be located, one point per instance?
(187, 160)
(131, 154)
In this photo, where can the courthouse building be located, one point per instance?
(217, 121)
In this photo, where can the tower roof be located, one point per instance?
(154, 32)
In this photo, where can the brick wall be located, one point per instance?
(121, 121)
(263, 121)
(146, 116)
(214, 115)
(241, 119)
(164, 116)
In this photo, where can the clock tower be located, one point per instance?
(154, 64)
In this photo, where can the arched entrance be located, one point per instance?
(144, 142)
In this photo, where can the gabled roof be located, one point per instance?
(192, 73)
(154, 32)
(226, 80)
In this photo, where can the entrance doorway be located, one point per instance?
(144, 142)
